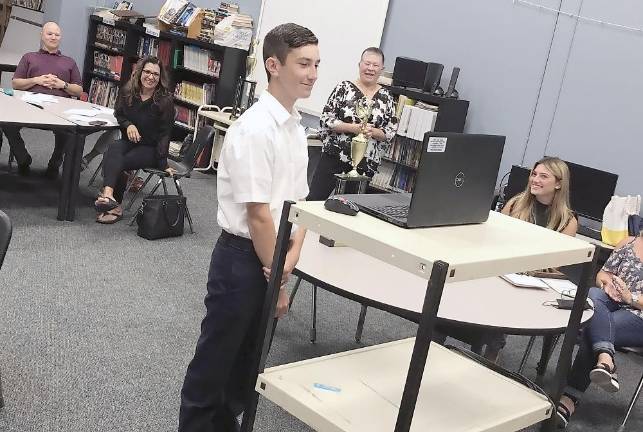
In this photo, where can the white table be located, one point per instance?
(445, 254)
(221, 121)
(498, 305)
(15, 112)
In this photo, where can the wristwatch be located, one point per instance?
(635, 300)
(66, 85)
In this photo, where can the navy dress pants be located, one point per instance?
(218, 381)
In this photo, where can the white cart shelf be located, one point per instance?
(444, 391)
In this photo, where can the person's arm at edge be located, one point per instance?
(571, 228)
(264, 239)
(262, 231)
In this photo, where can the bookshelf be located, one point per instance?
(201, 73)
(5, 13)
(399, 165)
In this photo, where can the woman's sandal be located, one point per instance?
(605, 377)
(104, 204)
(108, 218)
(562, 412)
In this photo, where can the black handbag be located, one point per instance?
(161, 216)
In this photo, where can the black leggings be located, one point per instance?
(324, 181)
(123, 155)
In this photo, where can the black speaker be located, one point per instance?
(433, 77)
(409, 72)
(451, 91)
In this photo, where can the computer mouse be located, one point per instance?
(339, 204)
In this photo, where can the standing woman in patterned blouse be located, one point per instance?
(340, 124)
(617, 322)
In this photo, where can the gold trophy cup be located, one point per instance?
(363, 110)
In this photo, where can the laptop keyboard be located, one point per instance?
(395, 211)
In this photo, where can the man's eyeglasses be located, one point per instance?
(154, 74)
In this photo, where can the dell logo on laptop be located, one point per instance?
(459, 179)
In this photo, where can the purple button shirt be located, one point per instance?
(38, 63)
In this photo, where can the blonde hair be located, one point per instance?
(560, 213)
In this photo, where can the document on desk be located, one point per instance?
(84, 120)
(561, 286)
(38, 98)
(83, 112)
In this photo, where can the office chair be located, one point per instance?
(5, 238)
(183, 168)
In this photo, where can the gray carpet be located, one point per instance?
(97, 325)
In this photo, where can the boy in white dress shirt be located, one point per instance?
(263, 163)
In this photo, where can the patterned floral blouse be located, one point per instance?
(341, 107)
(625, 264)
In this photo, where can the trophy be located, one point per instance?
(363, 110)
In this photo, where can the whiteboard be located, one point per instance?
(344, 29)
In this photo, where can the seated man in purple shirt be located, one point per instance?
(46, 71)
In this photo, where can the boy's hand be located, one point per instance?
(282, 304)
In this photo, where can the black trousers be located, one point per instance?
(323, 182)
(20, 152)
(123, 155)
(217, 382)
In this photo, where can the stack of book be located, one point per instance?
(208, 23)
(415, 122)
(405, 151)
(108, 65)
(185, 117)
(201, 60)
(403, 179)
(151, 46)
(242, 21)
(110, 37)
(29, 4)
(103, 92)
(179, 13)
(225, 10)
(382, 177)
(198, 94)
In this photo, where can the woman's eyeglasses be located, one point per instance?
(153, 73)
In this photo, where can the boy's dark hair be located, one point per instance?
(283, 38)
(374, 50)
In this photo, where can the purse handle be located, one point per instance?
(178, 213)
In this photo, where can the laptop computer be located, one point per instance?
(454, 183)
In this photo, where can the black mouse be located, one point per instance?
(339, 204)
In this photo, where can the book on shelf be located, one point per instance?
(152, 46)
(415, 122)
(201, 60)
(185, 115)
(107, 64)
(110, 37)
(29, 4)
(103, 92)
(199, 94)
(180, 13)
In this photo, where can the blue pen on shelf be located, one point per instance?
(327, 387)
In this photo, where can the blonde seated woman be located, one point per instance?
(544, 202)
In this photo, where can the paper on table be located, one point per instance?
(561, 286)
(76, 118)
(82, 112)
(38, 98)
(525, 281)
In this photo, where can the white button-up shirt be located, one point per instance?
(264, 159)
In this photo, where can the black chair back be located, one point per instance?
(5, 235)
(204, 137)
